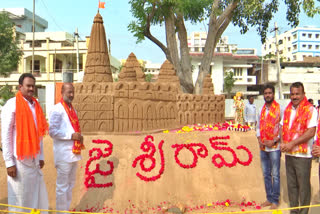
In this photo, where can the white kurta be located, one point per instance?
(61, 130)
(312, 123)
(27, 189)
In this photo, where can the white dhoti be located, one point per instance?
(66, 178)
(27, 189)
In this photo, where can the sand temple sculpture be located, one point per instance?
(131, 104)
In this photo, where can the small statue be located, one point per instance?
(239, 108)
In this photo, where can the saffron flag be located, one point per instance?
(101, 4)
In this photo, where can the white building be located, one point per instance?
(23, 20)
(295, 44)
(227, 57)
(307, 72)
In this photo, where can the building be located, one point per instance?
(227, 57)
(23, 20)
(306, 71)
(294, 44)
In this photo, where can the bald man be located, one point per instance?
(64, 129)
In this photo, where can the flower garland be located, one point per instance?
(90, 179)
(148, 146)
(223, 162)
(202, 152)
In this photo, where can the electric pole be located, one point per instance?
(76, 34)
(278, 60)
(33, 27)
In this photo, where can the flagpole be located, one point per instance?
(98, 6)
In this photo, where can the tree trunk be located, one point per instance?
(207, 56)
(216, 27)
(186, 67)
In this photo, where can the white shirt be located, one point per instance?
(267, 149)
(61, 130)
(312, 123)
(250, 113)
(9, 135)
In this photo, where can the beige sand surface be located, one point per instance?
(192, 188)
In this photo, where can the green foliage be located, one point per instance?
(9, 52)
(148, 77)
(228, 82)
(5, 94)
(248, 13)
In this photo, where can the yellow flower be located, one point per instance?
(166, 131)
(227, 204)
(209, 205)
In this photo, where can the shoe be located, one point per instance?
(266, 204)
(274, 206)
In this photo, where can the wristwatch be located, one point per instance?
(274, 142)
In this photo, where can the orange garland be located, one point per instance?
(77, 145)
(299, 125)
(269, 125)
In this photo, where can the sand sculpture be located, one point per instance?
(131, 104)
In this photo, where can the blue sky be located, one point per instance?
(66, 15)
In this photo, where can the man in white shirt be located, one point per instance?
(250, 113)
(298, 129)
(268, 126)
(22, 127)
(64, 128)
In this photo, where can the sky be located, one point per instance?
(67, 15)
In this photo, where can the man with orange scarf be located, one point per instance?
(268, 126)
(298, 129)
(316, 145)
(68, 143)
(23, 126)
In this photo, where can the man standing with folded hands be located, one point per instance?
(67, 145)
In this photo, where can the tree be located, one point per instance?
(218, 13)
(5, 94)
(228, 82)
(9, 52)
(148, 77)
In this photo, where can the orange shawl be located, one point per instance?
(28, 133)
(318, 133)
(299, 125)
(269, 125)
(77, 146)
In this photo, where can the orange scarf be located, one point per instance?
(318, 133)
(299, 125)
(77, 146)
(28, 133)
(269, 125)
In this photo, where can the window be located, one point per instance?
(317, 47)
(317, 36)
(202, 49)
(309, 46)
(237, 71)
(280, 42)
(303, 35)
(196, 49)
(294, 47)
(270, 46)
(289, 49)
(289, 38)
(309, 35)
(294, 36)
(304, 46)
(196, 42)
(36, 67)
(294, 57)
